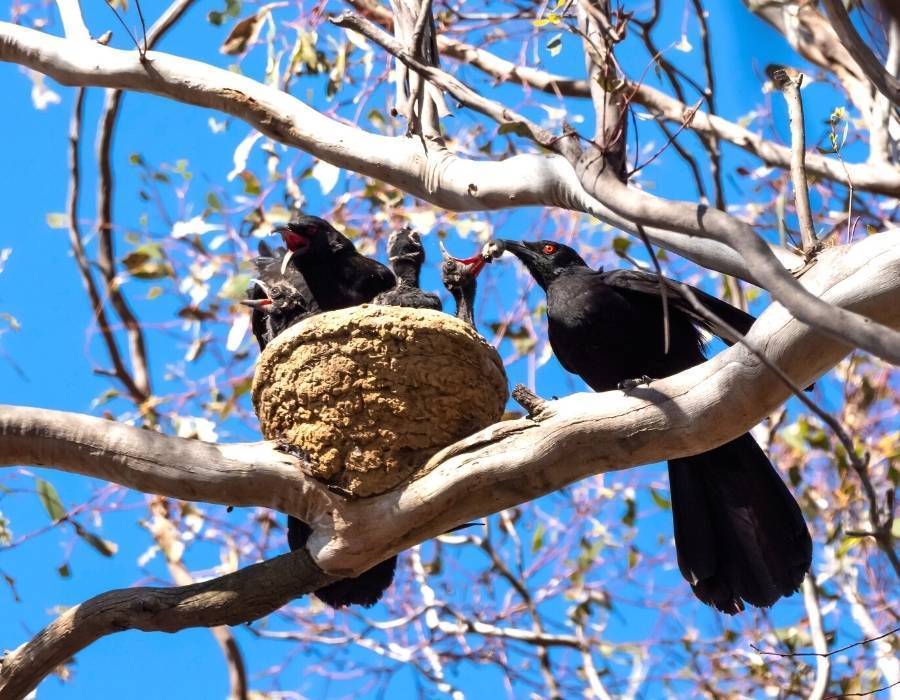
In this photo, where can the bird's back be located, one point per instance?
(606, 332)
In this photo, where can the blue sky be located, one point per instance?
(49, 362)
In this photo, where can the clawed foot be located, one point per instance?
(340, 491)
(292, 450)
(630, 384)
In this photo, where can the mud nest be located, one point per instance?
(370, 393)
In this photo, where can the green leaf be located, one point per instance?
(538, 540)
(105, 547)
(50, 498)
(251, 184)
(659, 499)
(517, 128)
(213, 201)
(621, 245)
(848, 544)
(136, 159)
(630, 514)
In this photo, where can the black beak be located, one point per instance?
(521, 250)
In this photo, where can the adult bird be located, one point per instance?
(320, 270)
(739, 534)
(337, 275)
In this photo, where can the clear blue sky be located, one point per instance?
(49, 361)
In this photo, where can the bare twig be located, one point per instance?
(105, 191)
(461, 92)
(165, 534)
(663, 287)
(120, 371)
(862, 642)
(789, 82)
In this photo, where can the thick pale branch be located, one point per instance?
(243, 596)
(435, 175)
(812, 36)
(73, 22)
(239, 474)
(883, 81)
(506, 464)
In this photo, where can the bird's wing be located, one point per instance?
(648, 283)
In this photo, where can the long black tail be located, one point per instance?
(739, 534)
(366, 589)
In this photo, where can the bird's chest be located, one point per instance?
(592, 333)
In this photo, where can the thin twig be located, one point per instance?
(106, 247)
(830, 653)
(789, 82)
(120, 371)
(663, 287)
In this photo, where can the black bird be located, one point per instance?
(320, 271)
(406, 255)
(336, 274)
(739, 534)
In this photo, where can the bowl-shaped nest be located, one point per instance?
(371, 392)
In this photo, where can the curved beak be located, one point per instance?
(521, 250)
(263, 305)
(473, 265)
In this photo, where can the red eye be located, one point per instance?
(549, 248)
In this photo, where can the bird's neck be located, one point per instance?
(407, 271)
(465, 303)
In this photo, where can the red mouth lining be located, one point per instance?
(476, 261)
(293, 240)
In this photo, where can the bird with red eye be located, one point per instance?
(549, 248)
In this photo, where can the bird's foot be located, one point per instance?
(292, 450)
(340, 491)
(631, 384)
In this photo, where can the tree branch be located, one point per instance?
(878, 178)
(436, 175)
(811, 35)
(106, 259)
(502, 466)
(643, 207)
(243, 596)
(884, 82)
(817, 633)
(789, 82)
(72, 20)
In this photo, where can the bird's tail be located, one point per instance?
(365, 589)
(739, 534)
